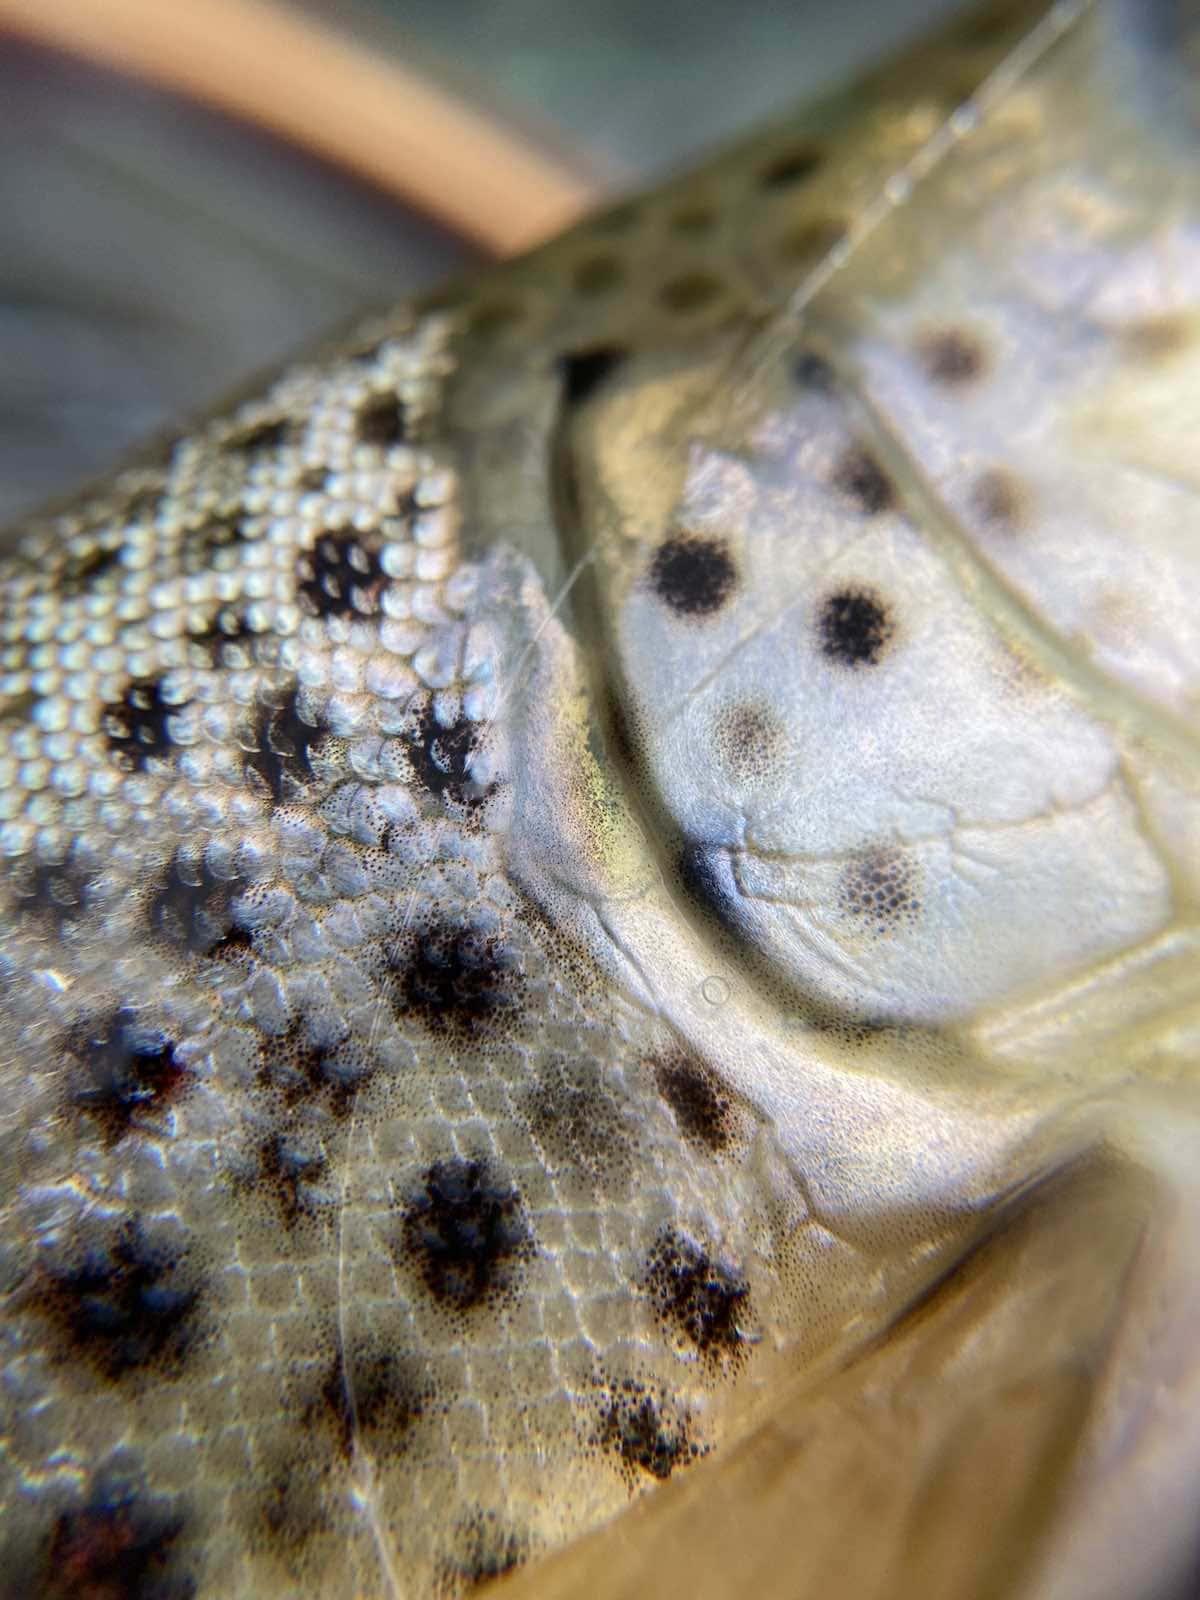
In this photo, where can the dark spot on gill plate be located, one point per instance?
(693, 575)
(854, 627)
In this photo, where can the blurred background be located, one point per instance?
(155, 250)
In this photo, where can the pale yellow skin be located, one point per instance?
(818, 633)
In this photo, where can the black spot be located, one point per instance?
(860, 478)
(702, 1302)
(812, 371)
(313, 479)
(953, 357)
(283, 745)
(879, 888)
(694, 576)
(136, 726)
(261, 438)
(465, 1229)
(457, 979)
(191, 909)
(124, 1299)
(644, 1429)
(382, 420)
(706, 875)
(441, 758)
(794, 166)
(585, 370)
(702, 1104)
(854, 627)
(484, 1548)
(341, 576)
(691, 291)
(56, 892)
(84, 567)
(120, 1543)
(375, 1396)
(127, 1069)
(597, 275)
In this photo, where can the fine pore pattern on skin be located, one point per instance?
(599, 901)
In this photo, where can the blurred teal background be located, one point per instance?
(154, 254)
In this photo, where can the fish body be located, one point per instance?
(600, 898)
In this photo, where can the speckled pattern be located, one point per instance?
(526, 850)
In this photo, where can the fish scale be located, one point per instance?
(600, 876)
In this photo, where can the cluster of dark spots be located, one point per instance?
(314, 479)
(484, 1548)
(263, 438)
(290, 1167)
(373, 1395)
(120, 1543)
(952, 356)
(645, 1429)
(812, 371)
(441, 758)
(880, 889)
(227, 640)
(695, 576)
(84, 568)
(577, 1120)
(466, 1232)
(456, 978)
(701, 1301)
(382, 420)
(999, 499)
(201, 545)
(597, 275)
(137, 726)
(854, 627)
(192, 907)
(791, 167)
(299, 1072)
(126, 1069)
(125, 1299)
(341, 576)
(689, 292)
(583, 371)
(702, 1103)
(808, 243)
(283, 741)
(861, 479)
(57, 892)
(748, 739)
